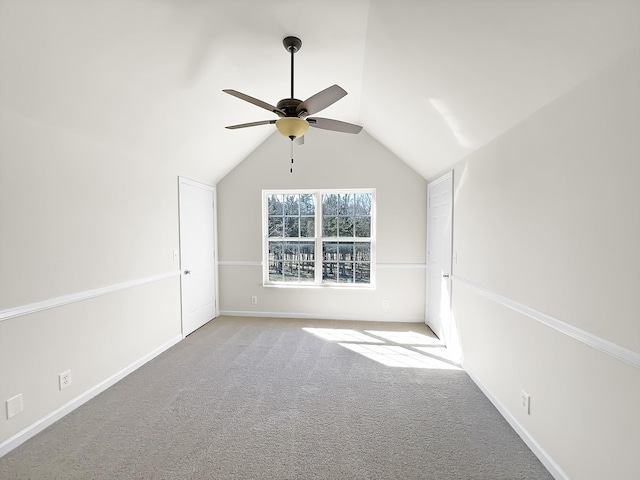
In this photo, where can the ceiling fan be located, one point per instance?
(294, 114)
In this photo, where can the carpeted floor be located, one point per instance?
(257, 398)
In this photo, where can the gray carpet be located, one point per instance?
(246, 398)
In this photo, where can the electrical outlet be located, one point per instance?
(254, 300)
(14, 406)
(525, 401)
(385, 303)
(64, 379)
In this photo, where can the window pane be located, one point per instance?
(345, 226)
(362, 266)
(290, 272)
(345, 271)
(363, 252)
(363, 272)
(275, 251)
(275, 261)
(330, 204)
(363, 227)
(275, 204)
(275, 271)
(363, 204)
(292, 227)
(329, 226)
(290, 264)
(290, 251)
(345, 204)
(345, 252)
(307, 204)
(307, 252)
(307, 226)
(291, 205)
(330, 251)
(307, 271)
(329, 272)
(275, 227)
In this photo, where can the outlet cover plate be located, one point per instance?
(64, 379)
(525, 401)
(14, 406)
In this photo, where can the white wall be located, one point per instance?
(548, 215)
(327, 160)
(92, 141)
(77, 217)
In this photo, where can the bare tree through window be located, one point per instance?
(320, 237)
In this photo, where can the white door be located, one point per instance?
(439, 229)
(197, 254)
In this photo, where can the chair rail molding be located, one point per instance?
(80, 296)
(618, 351)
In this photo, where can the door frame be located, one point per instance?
(193, 183)
(448, 176)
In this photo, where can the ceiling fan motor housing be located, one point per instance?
(289, 106)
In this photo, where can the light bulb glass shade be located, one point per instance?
(292, 126)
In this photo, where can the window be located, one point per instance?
(319, 238)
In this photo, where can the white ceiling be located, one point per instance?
(432, 80)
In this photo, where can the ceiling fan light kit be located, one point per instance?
(292, 127)
(294, 114)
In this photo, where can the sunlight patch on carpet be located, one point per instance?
(391, 348)
(438, 352)
(342, 335)
(397, 356)
(406, 338)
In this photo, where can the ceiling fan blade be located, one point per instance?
(335, 125)
(255, 101)
(321, 100)
(251, 124)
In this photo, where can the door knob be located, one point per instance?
(187, 272)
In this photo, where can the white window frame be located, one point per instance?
(318, 238)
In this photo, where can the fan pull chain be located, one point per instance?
(291, 169)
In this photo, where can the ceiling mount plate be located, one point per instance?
(292, 44)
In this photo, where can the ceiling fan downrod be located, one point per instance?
(292, 44)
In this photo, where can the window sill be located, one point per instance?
(342, 286)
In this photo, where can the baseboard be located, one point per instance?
(316, 316)
(536, 448)
(38, 426)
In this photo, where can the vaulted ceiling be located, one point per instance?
(432, 80)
